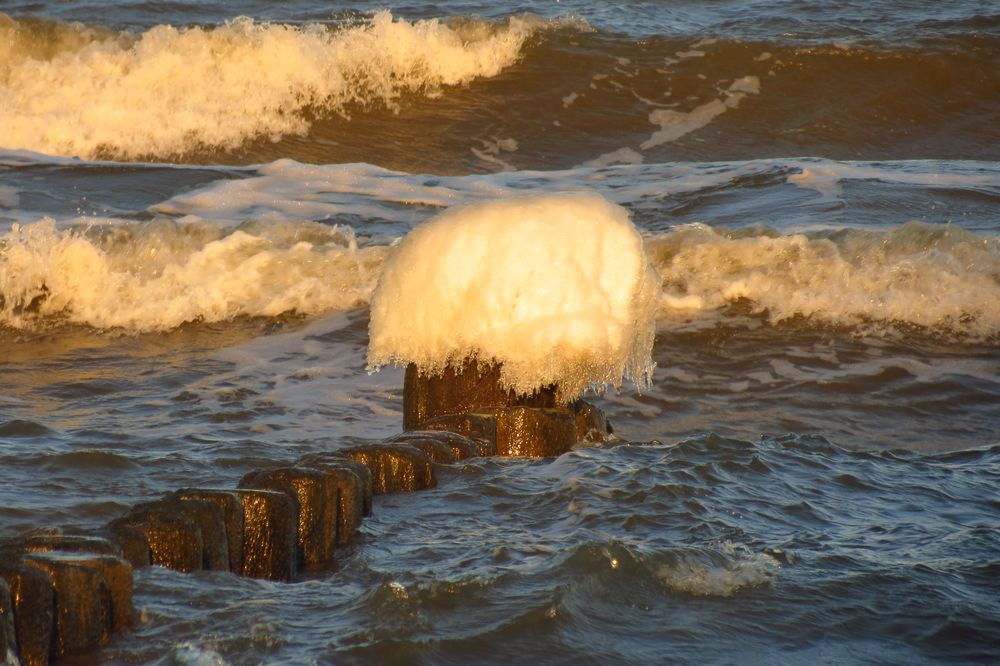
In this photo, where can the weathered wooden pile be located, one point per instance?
(64, 593)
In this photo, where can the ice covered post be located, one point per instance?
(504, 312)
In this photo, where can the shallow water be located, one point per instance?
(812, 474)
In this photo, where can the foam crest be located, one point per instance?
(720, 573)
(556, 288)
(675, 124)
(171, 91)
(286, 188)
(935, 276)
(827, 176)
(157, 276)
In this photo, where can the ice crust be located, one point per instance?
(556, 288)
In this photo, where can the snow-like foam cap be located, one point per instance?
(556, 288)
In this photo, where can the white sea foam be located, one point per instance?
(826, 176)
(929, 275)
(189, 654)
(157, 276)
(290, 190)
(735, 568)
(169, 91)
(623, 155)
(557, 288)
(675, 124)
(490, 151)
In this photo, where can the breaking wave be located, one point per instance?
(92, 92)
(157, 275)
(453, 95)
(927, 275)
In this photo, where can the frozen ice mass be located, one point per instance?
(555, 288)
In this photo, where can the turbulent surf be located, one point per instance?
(198, 201)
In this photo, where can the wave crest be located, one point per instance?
(718, 573)
(75, 91)
(928, 275)
(880, 278)
(156, 276)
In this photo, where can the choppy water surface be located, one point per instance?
(813, 474)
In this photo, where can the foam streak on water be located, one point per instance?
(813, 467)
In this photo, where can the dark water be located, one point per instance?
(195, 211)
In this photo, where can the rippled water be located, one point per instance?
(783, 549)
(785, 520)
(812, 476)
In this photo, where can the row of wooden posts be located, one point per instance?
(64, 592)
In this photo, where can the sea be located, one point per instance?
(197, 199)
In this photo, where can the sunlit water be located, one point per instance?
(813, 474)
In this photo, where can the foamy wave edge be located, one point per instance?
(719, 572)
(160, 274)
(166, 92)
(938, 277)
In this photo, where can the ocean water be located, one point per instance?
(197, 199)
